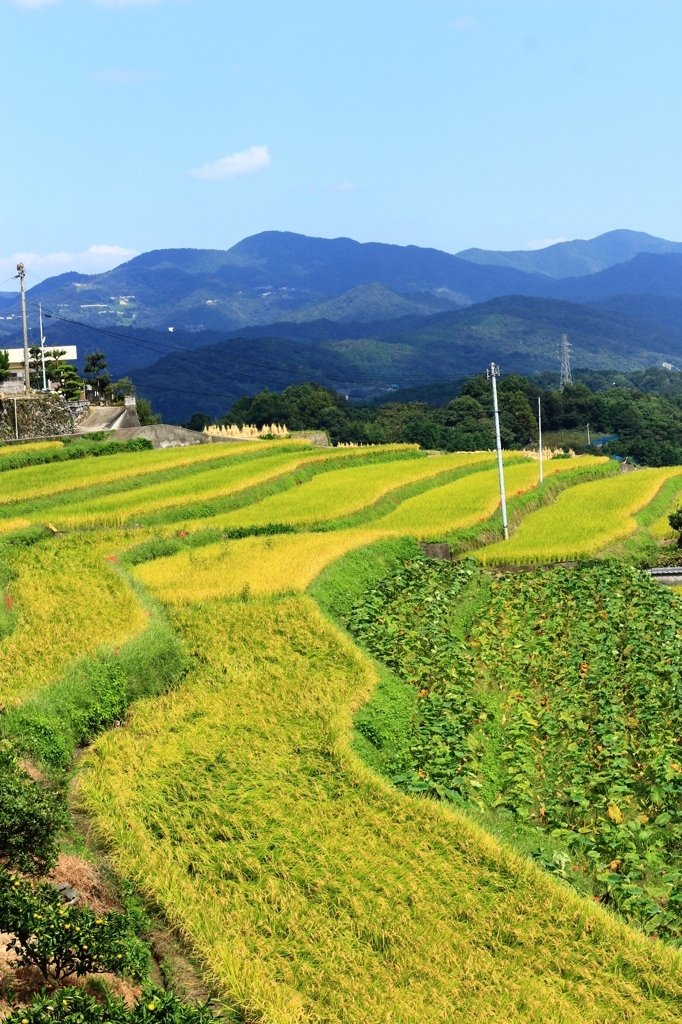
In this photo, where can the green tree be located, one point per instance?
(145, 414)
(675, 520)
(31, 817)
(120, 388)
(63, 942)
(95, 371)
(197, 421)
(4, 365)
(68, 381)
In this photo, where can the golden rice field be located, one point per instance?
(30, 446)
(228, 478)
(57, 477)
(332, 495)
(470, 500)
(281, 564)
(311, 890)
(68, 603)
(584, 519)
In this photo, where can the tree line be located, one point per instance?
(648, 425)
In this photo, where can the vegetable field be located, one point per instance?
(364, 786)
(555, 700)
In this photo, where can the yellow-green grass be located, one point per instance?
(314, 892)
(31, 446)
(117, 508)
(583, 521)
(661, 529)
(283, 563)
(331, 495)
(57, 477)
(68, 601)
(471, 499)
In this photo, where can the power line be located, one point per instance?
(189, 353)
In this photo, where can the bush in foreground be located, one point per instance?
(31, 817)
(63, 941)
(74, 1006)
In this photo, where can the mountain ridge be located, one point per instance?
(576, 258)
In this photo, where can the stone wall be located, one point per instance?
(38, 415)
(79, 410)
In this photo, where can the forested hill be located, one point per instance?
(521, 333)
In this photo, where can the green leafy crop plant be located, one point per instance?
(558, 703)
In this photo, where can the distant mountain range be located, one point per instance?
(279, 307)
(520, 332)
(576, 258)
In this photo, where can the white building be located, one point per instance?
(15, 384)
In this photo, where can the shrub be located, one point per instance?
(675, 520)
(30, 817)
(74, 1006)
(63, 941)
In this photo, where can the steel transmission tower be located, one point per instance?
(565, 363)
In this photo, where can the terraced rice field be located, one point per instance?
(309, 890)
(54, 479)
(332, 495)
(583, 520)
(282, 564)
(470, 500)
(228, 478)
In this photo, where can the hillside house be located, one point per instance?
(15, 384)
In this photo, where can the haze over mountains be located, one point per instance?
(280, 307)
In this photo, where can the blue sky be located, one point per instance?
(129, 125)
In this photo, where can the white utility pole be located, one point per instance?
(42, 344)
(21, 273)
(540, 436)
(492, 372)
(588, 433)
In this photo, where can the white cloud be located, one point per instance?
(464, 24)
(542, 243)
(255, 158)
(124, 3)
(33, 4)
(94, 260)
(123, 76)
(343, 186)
